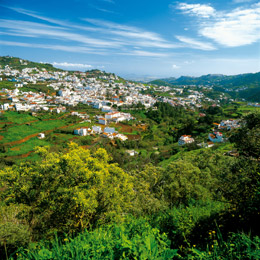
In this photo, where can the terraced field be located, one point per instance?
(19, 133)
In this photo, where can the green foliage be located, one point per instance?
(15, 63)
(17, 118)
(19, 132)
(40, 87)
(13, 231)
(7, 84)
(182, 182)
(247, 138)
(239, 246)
(68, 192)
(135, 239)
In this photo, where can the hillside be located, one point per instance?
(245, 86)
(17, 63)
(217, 79)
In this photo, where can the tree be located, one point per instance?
(247, 138)
(68, 192)
(181, 182)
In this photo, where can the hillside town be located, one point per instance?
(103, 91)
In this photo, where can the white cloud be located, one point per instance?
(238, 28)
(124, 30)
(175, 67)
(145, 53)
(195, 44)
(40, 30)
(77, 49)
(75, 65)
(50, 20)
(200, 10)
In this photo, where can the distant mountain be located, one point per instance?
(240, 86)
(17, 63)
(215, 79)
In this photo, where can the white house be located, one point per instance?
(106, 109)
(112, 115)
(102, 121)
(109, 130)
(131, 152)
(5, 106)
(41, 135)
(98, 105)
(83, 131)
(121, 137)
(97, 129)
(185, 139)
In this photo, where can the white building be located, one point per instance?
(82, 131)
(109, 130)
(97, 129)
(41, 135)
(185, 139)
(102, 121)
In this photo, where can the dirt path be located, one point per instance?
(25, 155)
(22, 140)
(31, 136)
(7, 123)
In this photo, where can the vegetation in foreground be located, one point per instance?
(78, 204)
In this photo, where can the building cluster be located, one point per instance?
(107, 132)
(102, 91)
(216, 136)
(228, 124)
(115, 117)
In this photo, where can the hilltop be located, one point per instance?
(17, 63)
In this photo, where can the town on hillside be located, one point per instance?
(100, 104)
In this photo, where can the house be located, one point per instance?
(112, 115)
(98, 105)
(109, 130)
(108, 135)
(229, 124)
(185, 139)
(122, 137)
(4, 106)
(83, 131)
(97, 129)
(106, 109)
(216, 137)
(131, 152)
(102, 121)
(41, 135)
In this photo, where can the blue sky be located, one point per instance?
(135, 38)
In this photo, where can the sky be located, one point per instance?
(135, 38)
